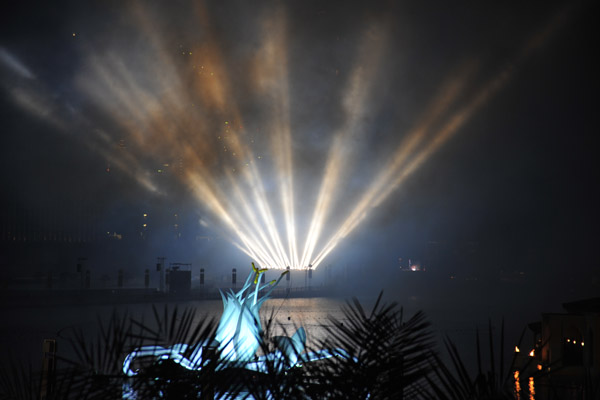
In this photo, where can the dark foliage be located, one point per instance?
(386, 356)
(378, 355)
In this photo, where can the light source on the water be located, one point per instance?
(531, 388)
(517, 384)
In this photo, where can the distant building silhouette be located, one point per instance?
(566, 351)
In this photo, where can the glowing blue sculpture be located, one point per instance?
(239, 337)
(239, 328)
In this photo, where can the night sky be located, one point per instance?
(96, 97)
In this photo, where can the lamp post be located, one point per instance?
(161, 274)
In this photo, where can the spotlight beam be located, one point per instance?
(222, 97)
(391, 178)
(147, 96)
(445, 98)
(355, 107)
(272, 81)
(210, 197)
(252, 221)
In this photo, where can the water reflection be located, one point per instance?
(531, 388)
(518, 389)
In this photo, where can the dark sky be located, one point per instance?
(518, 176)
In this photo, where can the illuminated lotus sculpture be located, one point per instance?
(239, 328)
(239, 337)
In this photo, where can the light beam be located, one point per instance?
(166, 103)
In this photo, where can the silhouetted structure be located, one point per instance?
(567, 350)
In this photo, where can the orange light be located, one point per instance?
(539, 367)
(531, 388)
(532, 353)
(517, 349)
